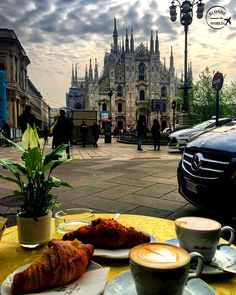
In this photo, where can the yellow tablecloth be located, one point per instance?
(13, 256)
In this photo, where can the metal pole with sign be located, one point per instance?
(173, 106)
(217, 83)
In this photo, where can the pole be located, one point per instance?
(3, 97)
(173, 119)
(185, 88)
(217, 107)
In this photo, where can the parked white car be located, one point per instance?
(179, 139)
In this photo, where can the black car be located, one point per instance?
(207, 171)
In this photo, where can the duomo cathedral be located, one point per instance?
(134, 84)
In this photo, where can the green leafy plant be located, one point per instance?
(33, 174)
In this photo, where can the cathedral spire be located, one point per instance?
(96, 70)
(151, 43)
(115, 37)
(76, 77)
(86, 72)
(90, 70)
(126, 42)
(157, 44)
(171, 59)
(123, 46)
(72, 76)
(131, 42)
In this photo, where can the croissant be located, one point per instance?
(108, 234)
(62, 263)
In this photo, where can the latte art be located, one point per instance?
(157, 255)
(197, 223)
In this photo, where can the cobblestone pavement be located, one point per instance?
(114, 178)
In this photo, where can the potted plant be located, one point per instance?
(33, 176)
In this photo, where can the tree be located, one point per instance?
(229, 99)
(203, 104)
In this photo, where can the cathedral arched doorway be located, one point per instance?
(143, 118)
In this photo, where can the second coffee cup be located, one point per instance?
(201, 235)
(159, 268)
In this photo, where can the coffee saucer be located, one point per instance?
(123, 284)
(223, 261)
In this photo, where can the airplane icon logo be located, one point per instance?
(228, 21)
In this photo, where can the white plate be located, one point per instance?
(6, 285)
(117, 254)
(223, 261)
(123, 284)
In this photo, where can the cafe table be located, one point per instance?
(12, 256)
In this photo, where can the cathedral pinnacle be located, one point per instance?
(126, 42)
(90, 70)
(151, 43)
(115, 38)
(132, 42)
(171, 59)
(72, 76)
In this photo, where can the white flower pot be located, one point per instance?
(33, 233)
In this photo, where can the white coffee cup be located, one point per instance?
(202, 235)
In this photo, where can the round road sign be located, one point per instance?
(217, 81)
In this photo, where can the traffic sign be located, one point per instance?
(157, 105)
(217, 81)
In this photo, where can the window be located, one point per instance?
(142, 95)
(119, 90)
(141, 71)
(104, 107)
(120, 107)
(163, 91)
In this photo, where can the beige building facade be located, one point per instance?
(19, 89)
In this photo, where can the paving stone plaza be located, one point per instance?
(114, 178)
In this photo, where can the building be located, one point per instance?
(135, 83)
(75, 96)
(19, 88)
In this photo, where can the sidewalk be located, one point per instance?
(115, 178)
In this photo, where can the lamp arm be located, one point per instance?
(178, 2)
(195, 2)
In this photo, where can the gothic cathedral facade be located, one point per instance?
(134, 84)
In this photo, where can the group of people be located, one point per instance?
(61, 129)
(155, 130)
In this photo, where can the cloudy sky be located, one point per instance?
(57, 33)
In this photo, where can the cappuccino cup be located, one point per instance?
(159, 268)
(201, 235)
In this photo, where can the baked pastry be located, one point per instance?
(62, 263)
(108, 234)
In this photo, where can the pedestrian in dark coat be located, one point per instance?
(156, 134)
(6, 131)
(84, 132)
(95, 129)
(27, 118)
(141, 129)
(61, 132)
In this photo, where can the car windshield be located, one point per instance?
(204, 125)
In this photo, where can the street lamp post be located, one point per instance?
(186, 17)
(108, 126)
(110, 95)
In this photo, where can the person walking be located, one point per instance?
(84, 132)
(141, 129)
(61, 132)
(45, 134)
(156, 134)
(6, 132)
(95, 129)
(27, 118)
